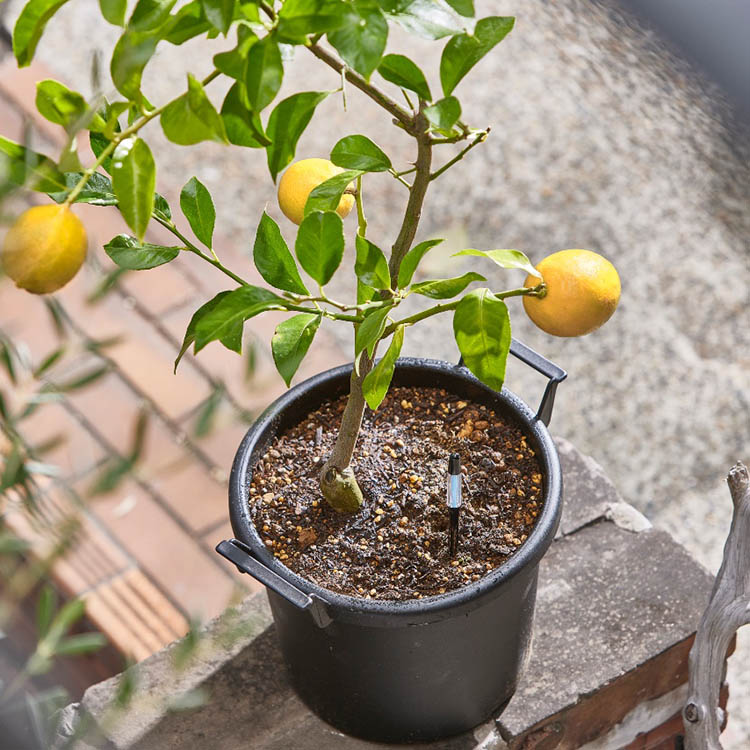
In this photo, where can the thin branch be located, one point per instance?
(481, 137)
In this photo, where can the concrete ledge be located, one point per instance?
(616, 610)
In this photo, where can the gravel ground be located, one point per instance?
(603, 139)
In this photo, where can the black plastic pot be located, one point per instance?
(412, 670)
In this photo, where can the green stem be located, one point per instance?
(119, 138)
(481, 137)
(400, 178)
(361, 220)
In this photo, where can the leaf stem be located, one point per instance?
(481, 137)
(361, 220)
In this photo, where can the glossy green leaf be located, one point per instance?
(298, 18)
(191, 118)
(320, 244)
(364, 293)
(99, 142)
(219, 13)
(264, 73)
(127, 252)
(81, 643)
(401, 71)
(98, 190)
(327, 195)
(133, 180)
(359, 152)
(371, 265)
(198, 207)
(481, 326)
(113, 11)
(371, 329)
(149, 14)
(232, 338)
(430, 19)
(378, 380)
(463, 52)
(58, 104)
(30, 26)
(23, 167)
(161, 207)
(444, 114)
(361, 40)
(412, 260)
(233, 62)
(129, 57)
(462, 7)
(223, 322)
(243, 127)
(446, 288)
(503, 258)
(186, 24)
(273, 259)
(286, 124)
(290, 343)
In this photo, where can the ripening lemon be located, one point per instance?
(300, 179)
(583, 290)
(44, 249)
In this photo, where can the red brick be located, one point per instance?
(165, 551)
(11, 120)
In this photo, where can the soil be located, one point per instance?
(396, 546)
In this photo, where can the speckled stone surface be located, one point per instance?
(611, 604)
(603, 139)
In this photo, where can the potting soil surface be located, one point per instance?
(396, 546)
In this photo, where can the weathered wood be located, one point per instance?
(728, 610)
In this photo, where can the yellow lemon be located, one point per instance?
(44, 249)
(300, 180)
(583, 290)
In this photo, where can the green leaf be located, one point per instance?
(77, 383)
(481, 326)
(371, 329)
(205, 420)
(290, 343)
(286, 124)
(299, 18)
(264, 73)
(371, 266)
(133, 180)
(378, 380)
(66, 617)
(359, 152)
(113, 11)
(58, 104)
(196, 204)
(364, 293)
(150, 14)
(219, 13)
(446, 288)
(191, 118)
(463, 52)
(98, 142)
(45, 608)
(224, 321)
(24, 167)
(81, 643)
(430, 19)
(243, 127)
(187, 23)
(46, 364)
(463, 7)
(189, 339)
(98, 190)
(232, 62)
(111, 474)
(403, 72)
(361, 41)
(129, 57)
(30, 26)
(161, 207)
(411, 261)
(327, 195)
(273, 259)
(320, 244)
(504, 259)
(444, 114)
(132, 255)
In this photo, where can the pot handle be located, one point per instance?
(552, 371)
(241, 555)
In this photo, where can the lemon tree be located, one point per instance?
(256, 40)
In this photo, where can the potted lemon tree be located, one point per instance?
(400, 617)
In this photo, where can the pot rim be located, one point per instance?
(528, 554)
